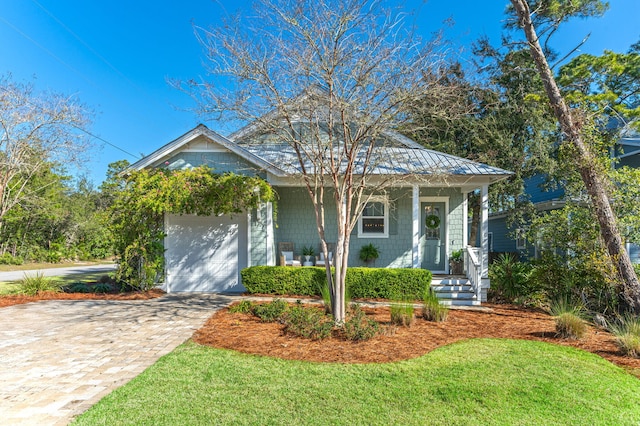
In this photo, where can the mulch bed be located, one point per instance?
(246, 333)
(17, 299)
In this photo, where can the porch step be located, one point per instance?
(454, 290)
(460, 302)
(451, 288)
(449, 280)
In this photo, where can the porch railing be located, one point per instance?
(473, 265)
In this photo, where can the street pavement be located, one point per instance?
(57, 272)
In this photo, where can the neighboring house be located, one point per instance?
(503, 239)
(207, 253)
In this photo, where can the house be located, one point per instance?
(207, 253)
(504, 239)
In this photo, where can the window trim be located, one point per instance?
(375, 199)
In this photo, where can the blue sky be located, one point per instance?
(116, 56)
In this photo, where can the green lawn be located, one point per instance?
(481, 381)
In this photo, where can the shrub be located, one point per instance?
(510, 277)
(402, 313)
(385, 283)
(627, 333)
(306, 322)
(283, 280)
(371, 283)
(432, 310)
(77, 287)
(8, 259)
(102, 288)
(244, 307)
(272, 311)
(36, 284)
(105, 279)
(569, 319)
(591, 278)
(358, 327)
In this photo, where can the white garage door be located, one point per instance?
(205, 253)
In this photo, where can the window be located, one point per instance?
(521, 242)
(374, 220)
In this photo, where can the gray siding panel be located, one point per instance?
(219, 162)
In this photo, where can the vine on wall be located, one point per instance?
(137, 214)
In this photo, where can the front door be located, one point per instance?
(433, 236)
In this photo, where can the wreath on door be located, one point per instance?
(432, 221)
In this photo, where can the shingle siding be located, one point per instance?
(258, 248)
(219, 162)
(296, 223)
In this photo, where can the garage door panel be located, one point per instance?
(205, 253)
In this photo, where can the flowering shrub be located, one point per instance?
(137, 213)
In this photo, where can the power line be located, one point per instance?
(137, 157)
(16, 29)
(85, 44)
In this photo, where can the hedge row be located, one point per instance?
(383, 283)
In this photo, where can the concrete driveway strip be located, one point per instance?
(58, 358)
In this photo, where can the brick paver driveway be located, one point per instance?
(57, 358)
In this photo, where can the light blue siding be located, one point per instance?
(296, 223)
(258, 240)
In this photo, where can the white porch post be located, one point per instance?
(484, 230)
(415, 251)
(249, 234)
(167, 278)
(465, 220)
(271, 259)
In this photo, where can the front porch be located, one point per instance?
(406, 239)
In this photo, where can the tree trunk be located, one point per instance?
(338, 307)
(629, 287)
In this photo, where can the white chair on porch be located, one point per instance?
(320, 260)
(286, 255)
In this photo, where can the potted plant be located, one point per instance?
(456, 263)
(369, 253)
(308, 253)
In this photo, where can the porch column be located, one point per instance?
(484, 230)
(415, 250)
(465, 220)
(249, 234)
(271, 259)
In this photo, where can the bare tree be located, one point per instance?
(37, 132)
(329, 78)
(571, 123)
